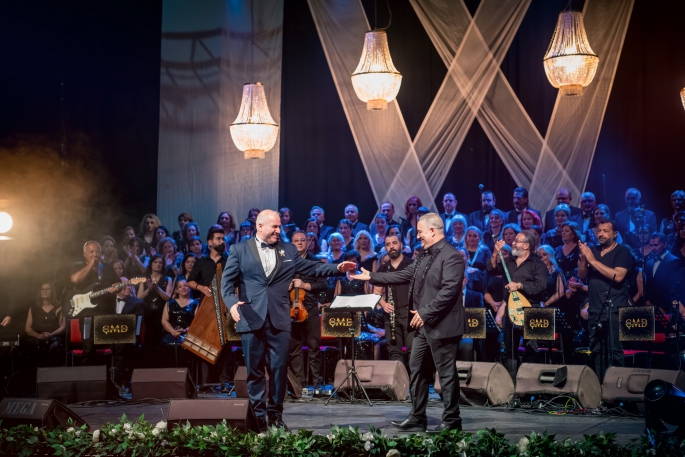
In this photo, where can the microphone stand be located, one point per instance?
(598, 326)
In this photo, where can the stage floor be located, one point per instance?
(314, 415)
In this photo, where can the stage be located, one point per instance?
(315, 415)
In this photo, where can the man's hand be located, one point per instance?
(363, 276)
(586, 253)
(113, 289)
(416, 321)
(6, 321)
(346, 266)
(498, 247)
(234, 311)
(387, 307)
(205, 290)
(512, 287)
(297, 283)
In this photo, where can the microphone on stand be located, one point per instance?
(480, 187)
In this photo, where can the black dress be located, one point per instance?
(568, 264)
(154, 307)
(45, 322)
(180, 317)
(367, 263)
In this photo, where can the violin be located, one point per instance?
(298, 313)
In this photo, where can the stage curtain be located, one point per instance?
(206, 59)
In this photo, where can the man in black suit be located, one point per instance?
(563, 196)
(588, 203)
(435, 282)
(317, 213)
(388, 209)
(633, 217)
(449, 203)
(262, 268)
(352, 215)
(661, 269)
(122, 354)
(520, 204)
(481, 218)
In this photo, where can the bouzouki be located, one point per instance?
(298, 313)
(516, 301)
(82, 298)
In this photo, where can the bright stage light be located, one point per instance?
(5, 222)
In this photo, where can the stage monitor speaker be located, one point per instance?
(382, 379)
(547, 381)
(240, 384)
(37, 413)
(238, 413)
(482, 383)
(627, 385)
(73, 384)
(162, 383)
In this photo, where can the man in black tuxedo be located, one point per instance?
(324, 230)
(262, 269)
(388, 209)
(660, 271)
(481, 218)
(435, 283)
(563, 196)
(449, 203)
(352, 215)
(633, 217)
(520, 204)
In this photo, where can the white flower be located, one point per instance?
(330, 437)
(71, 430)
(127, 426)
(113, 432)
(96, 436)
(223, 439)
(35, 429)
(523, 444)
(161, 425)
(155, 431)
(368, 436)
(165, 442)
(78, 432)
(140, 435)
(368, 445)
(461, 445)
(262, 435)
(428, 442)
(393, 453)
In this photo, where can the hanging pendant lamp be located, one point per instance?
(682, 96)
(254, 131)
(570, 62)
(376, 81)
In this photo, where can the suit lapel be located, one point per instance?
(252, 244)
(279, 261)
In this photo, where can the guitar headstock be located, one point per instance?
(136, 281)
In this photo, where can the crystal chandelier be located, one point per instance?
(254, 131)
(570, 63)
(376, 80)
(682, 96)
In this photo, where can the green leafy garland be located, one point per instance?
(141, 438)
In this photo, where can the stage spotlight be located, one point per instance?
(5, 222)
(664, 402)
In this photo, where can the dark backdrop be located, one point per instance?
(107, 54)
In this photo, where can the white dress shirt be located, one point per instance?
(267, 255)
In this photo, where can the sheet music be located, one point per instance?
(354, 302)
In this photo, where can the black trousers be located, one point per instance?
(605, 342)
(404, 338)
(266, 348)
(308, 332)
(427, 355)
(512, 336)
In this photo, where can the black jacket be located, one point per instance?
(659, 287)
(437, 298)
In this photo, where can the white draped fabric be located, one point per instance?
(206, 59)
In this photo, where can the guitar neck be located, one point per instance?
(102, 292)
(506, 272)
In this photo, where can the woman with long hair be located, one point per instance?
(172, 259)
(493, 232)
(226, 221)
(177, 316)
(529, 219)
(509, 232)
(313, 246)
(552, 237)
(478, 254)
(190, 230)
(109, 249)
(45, 324)
(126, 234)
(381, 221)
(288, 226)
(363, 244)
(556, 285)
(146, 229)
(345, 229)
(411, 208)
(161, 232)
(459, 224)
(311, 226)
(154, 292)
(136, 262)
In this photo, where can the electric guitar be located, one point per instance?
(81, 301)
(516, 301)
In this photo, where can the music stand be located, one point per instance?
(354, 304)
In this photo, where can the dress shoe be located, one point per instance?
(262, 425)
(277, 421)
(408, 426)
(444, 426)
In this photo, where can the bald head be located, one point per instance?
(430, 229)
(563, 196)
(268, 226)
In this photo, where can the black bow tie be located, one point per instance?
(265, 245)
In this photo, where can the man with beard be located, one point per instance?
(608, 268)
(200, 280)
(520, 204)
(262, 270)
(528, 277)
(404, 335)
(481, 218)
(437, 315)
(310, 329)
